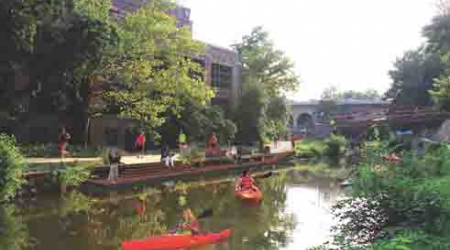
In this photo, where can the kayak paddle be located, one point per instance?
(205, 214)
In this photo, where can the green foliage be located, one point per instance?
(413, 74)
(18, 29)
(265, 64)
(335, 146)
(276, 118)
(332, 93)
(74, 203)
(249, 116)
(12, 165)
(75, 174)
(192, 156)
(85, 63)
(310, 148)
(403, 205)
(267, 75)
(150, 63)
(198, 121)
(52, 150)
(441, 92)
(14, 232)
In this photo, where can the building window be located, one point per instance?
(221, 76)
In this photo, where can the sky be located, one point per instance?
(351, 44)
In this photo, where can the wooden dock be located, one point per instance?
(152, 173)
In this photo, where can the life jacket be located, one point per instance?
(246, 182)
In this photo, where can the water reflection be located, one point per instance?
(293, 215)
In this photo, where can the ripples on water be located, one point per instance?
(294, 215)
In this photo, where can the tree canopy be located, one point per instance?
(154, 68)
(332, 93)
(263, 63)
(419, 73)
(267, 75)
(83, 63)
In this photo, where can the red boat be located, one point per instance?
(173, 242)
(252, 194)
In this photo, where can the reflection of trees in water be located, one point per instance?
(104, 224)
(13, 231)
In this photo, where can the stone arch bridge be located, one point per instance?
(355, 116)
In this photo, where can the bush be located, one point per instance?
(335, 146)
(193, 155)
(12, 165)
(310, 148)
(75, 174)
(402, 205)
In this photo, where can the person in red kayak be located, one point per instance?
(63, 139)
(245, 182)
(190, 224)
(140, 144)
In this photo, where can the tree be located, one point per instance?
(267, 74)
(17, 32)
(249, 117)
(438, 35)
(330, 93)
(441, 94)
(71, 51)
(277, 117)
(265, 64)
(369, 94)
(198, 121)
(413, 76)
(154, 69)
(12, 165)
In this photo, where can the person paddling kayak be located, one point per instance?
(190, 223)
(245, 182)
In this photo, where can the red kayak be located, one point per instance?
(173, 242)
(252, 194)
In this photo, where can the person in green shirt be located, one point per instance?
(182, 139)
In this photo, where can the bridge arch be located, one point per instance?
(305, 123)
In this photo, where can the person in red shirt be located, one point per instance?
(140, 144)
(213, 141)
(245, 182)
(190, 224)
(63, 139)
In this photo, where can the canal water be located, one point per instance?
(294, 215)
